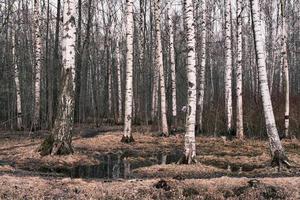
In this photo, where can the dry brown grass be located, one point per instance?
(210, 178)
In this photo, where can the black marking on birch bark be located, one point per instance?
(191, 84)
(72, 20)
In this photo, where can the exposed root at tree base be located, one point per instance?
(164, 134)
(62, 148)
(46, 147)
(126, 139)
(52, 147)
(280, 160)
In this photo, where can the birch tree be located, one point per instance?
(127, 137)
(159, 64)
(285, 66)
(142, 59)
(59, 142)
(155, 79)
(239, 74)
(173, 66)
(277, 150)
(17, 82)
(37, 65)
(189, 139)
(228, 65)
(118, 64)
(202, 67)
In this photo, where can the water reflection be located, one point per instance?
(114, 166)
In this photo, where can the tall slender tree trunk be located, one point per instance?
(142, 47)
(202, 68)
(109, 69)
(239, 74)
(159, 63)
(190, 141)
(78, 65)
(173, 67)
(60, 140)
(277, 151)
(228, 67)
(127, 137)
(17, 83)
(155, 79)
(118, 64)
(285, 67)
(56, 62)
(49, 96)
(37, 65)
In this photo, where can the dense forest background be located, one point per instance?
(101, 48)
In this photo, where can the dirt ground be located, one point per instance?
(104, 168)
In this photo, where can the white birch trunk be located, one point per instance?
(119, 81)
(190, 146)
(154, 102)
(202, 67)
(276, 148)
(239, 74)
(159, 63)
(17, 83)
(228, 67)
(173, 67)
(127, 137)
(37, 64)
(61, 137)
(285, 67)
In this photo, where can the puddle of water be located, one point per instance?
(114, 166)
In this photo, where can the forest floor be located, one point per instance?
(104, 168)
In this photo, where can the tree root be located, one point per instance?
(164, 134)
(184, 160)
(62, 148)
(280, 160)
(50, 147)
(46, 147)
(126, 139)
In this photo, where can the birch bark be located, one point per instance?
(189, 144)
(228, 67)
(239, 74)
(37, 65)
(127, 137)
(276, 148)
(285, 67)
(155, 80)
(202, 67)
(17, 83)
(59, 142)
(120, 108)
(173, 67)
(159, 63)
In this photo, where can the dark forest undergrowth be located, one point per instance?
(104, 168)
